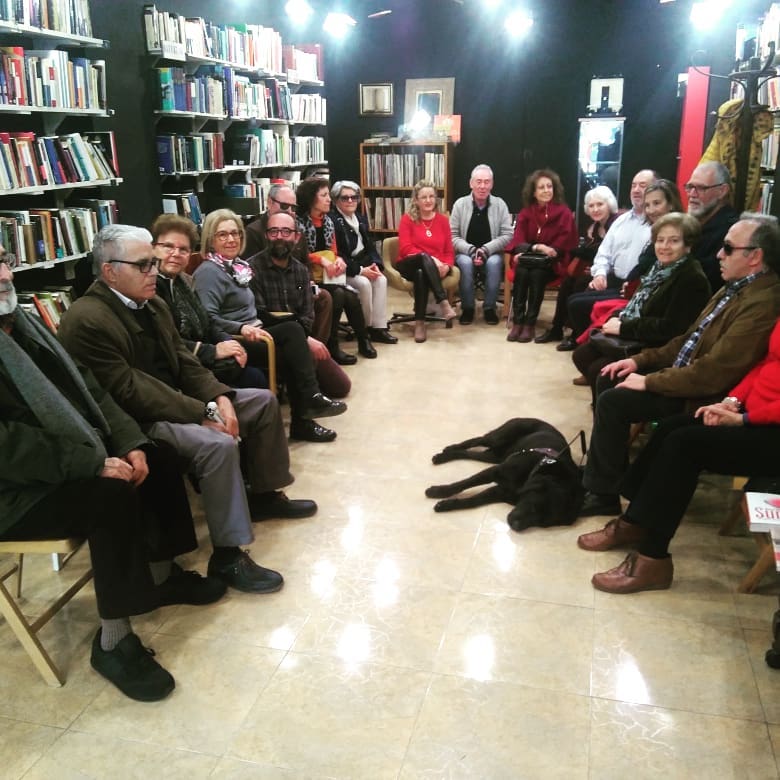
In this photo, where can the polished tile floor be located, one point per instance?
(410, 644)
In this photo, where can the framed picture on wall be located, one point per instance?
(434, 96)
(376, 99)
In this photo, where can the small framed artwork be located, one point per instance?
(376, 99)
(434, 96)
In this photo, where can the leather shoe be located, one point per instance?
(343, 358)
(242, 573)
(188, 587)
(382, 336)
(600, 504)
(366, 348)
(616, 533)
(567, 345)
(636, 573)
(491, 318)
(514, 333)
(309, 430)
(321, 406)
(526, 334)
(580, 381)
(265, 506)
(466, 316)
(132, 668)
(551, 334)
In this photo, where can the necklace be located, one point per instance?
(428, 226)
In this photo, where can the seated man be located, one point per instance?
(72, 463)
(481, 229)
(126, 335)
(729, 337)
(739, 435)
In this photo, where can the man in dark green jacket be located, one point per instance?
(72, 463)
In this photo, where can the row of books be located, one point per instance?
(303, 62)
(27, 160)
(769, 149)
(48, 304)
(250, 46)
(50, 78)
(765, 197)
(262, 147)
(180, 91)
(259, 186)
(184, 203)
(404, 170)
(41, 235)
(190, 153)
(67, 16)
(385, 213)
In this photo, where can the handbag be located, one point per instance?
(534, 261)
(614, 347)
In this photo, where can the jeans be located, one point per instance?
(493, 270)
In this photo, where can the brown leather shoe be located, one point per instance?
(580, 381)
(616, 533)
(514, 334)
(636, 573)
(526, 334)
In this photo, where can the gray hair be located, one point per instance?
(766, 237)
(336, 189)
(721, 172)
(481, 167)
(606, 194)
(110, 243)
(274, 189)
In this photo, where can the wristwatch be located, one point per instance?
(730, 399)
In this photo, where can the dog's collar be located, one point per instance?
(546, 451)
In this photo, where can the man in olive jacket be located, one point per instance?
(729, 337)
(127, 336)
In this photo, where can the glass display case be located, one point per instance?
(599, 154)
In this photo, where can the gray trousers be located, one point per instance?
(215, 460)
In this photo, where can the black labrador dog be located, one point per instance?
(534, 471)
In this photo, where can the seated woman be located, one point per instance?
(222, 284)
(364, 265)
(425, 246)
(328, 269)
(739, 435)
(174, 238)
(545, 227)
(670, 296)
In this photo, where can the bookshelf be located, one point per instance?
(51, 181)
(388, 173)
(235, 106)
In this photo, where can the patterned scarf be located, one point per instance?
(192, 320)
(310, 231)
(651, 281)
(240, 271)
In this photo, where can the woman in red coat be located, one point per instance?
(546, 228)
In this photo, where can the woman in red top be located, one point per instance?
(425, 244)
(545, 226)
(739, 435)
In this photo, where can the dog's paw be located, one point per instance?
(437, 491)
(447, 505)
(439, 457)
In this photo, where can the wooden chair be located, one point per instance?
(26, 630)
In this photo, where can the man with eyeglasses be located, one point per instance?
(127, 336)
(709, 188)
(697, 368)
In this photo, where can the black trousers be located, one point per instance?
(662, 480)
(345, 300)
(295, 361)
(423, 273)
(616, 409)
(569, 286)
(126, 527)
(528, 293)
(580, 304)
(590, 361)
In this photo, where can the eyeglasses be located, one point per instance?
(224, 235)
(283, 232)
(349, 197)
(283, 206)
(689, 187)
(172, 249)
(729, 248)
(144, 266)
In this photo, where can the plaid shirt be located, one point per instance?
(685, 356)
(282, 289)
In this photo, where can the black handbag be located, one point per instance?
(534, 261)
(614, 347)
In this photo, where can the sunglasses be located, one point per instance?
(729, 249)
(349, 197)
(283, 206)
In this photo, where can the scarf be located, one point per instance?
(651, 281)
(192, 320)
(53, 410)
(352, 221)
(239, 270)
(310, 231)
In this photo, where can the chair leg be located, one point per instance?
(19, 576)
(764, 563)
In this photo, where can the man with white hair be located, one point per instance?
(481, 229)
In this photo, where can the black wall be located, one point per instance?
(519, 100)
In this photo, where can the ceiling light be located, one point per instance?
(338, 24)
(707, 13)
(299, 11)
(518, 23)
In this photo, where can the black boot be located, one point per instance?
(338, 354)
(365, 347)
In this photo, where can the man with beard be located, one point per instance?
(708, 200)
(72, 463)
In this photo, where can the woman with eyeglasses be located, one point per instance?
(174, 238)
(364, 265)
(328, 268)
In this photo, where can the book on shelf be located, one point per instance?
(184, 203)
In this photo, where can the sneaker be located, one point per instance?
(132, 668)
(242, 573)
(188, 587)
(491, 318)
